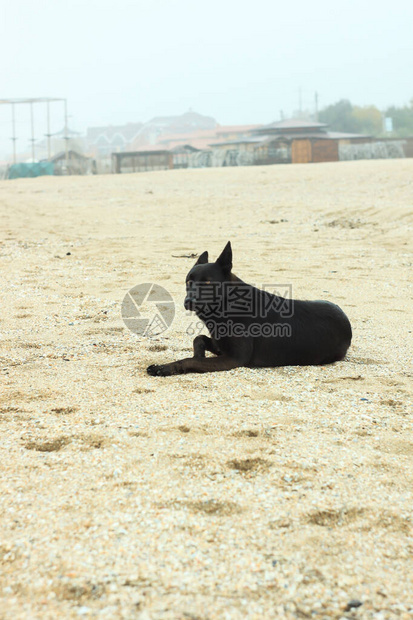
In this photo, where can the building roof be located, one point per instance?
(71, 154)
(288, 137)
(148, 150)
(338, 135)
(314, 135)
(292, 124)
(183, 148)
(184, 123)
(203, 139)
(170, 130)
(199, 140)
(225, 129)
(299, 135)
(128, 131)
(184, 137)
(245, 140)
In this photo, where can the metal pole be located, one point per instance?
(13, 124)
(32, 126)
(66, 140)
(48, 131)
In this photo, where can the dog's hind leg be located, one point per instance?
(203, 343)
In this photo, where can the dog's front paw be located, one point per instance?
(164, 370)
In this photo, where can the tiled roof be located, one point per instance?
(148, 148)
(291, 124)
(224, 129)
(338, 135)
(245, 140)
(188, 119)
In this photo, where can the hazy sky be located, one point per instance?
(241, 62)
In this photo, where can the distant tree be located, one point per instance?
(369, 120)
(343, 116)
(402, 120)
(339, 117)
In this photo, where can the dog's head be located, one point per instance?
(204, 278)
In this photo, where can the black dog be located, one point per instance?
(254, 328)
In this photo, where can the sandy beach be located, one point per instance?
(253, 493)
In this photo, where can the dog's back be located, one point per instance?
(317, 332)
(290, 332)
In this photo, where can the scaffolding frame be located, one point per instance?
(31, 101)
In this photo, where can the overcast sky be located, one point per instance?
(119, 61)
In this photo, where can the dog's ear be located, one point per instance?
(224, 260)
(202, 259)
